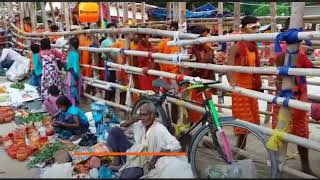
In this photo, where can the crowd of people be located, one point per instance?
(47, 63)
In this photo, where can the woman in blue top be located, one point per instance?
(74, 79)
(71, 120)
(37, 66)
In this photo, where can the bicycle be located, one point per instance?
(208, 129)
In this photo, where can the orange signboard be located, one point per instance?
(88, 12)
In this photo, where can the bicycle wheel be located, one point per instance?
(161, 113)
(202, 156)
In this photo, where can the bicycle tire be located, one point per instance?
(161, 112)
(227, 121)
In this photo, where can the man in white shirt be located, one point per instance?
(8, 56)
(150, 136)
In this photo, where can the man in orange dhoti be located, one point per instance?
(164, 48)
(245, 54)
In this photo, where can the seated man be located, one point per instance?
(8, 56)
(150, 136)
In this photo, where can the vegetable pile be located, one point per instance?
(48, 153)
(33, 117)
(17, 85)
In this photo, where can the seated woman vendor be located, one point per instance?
(71, 120)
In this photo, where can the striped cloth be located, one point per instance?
(96, 148)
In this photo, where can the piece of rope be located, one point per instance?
(290, 36)
(287, 94)
(284, 70)
(275, 141)
(121, 51)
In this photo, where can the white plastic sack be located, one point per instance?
(58, 171)
(19, 69)
(171, 167)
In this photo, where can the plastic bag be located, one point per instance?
(238, 169)
(18, 70)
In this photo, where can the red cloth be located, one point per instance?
(145, 81)
(315, 111)
(299, 123)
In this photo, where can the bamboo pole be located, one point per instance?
(237, 15)
(44, 16)
(70, 14)
(288, 82)
(101, 14)
(118, 14)
(249, 70)
(53, 13)
(168, 17)
(143, 12)
(108, 12)
(32, 16)
(110, 30)
(220, 32)
(10, 10)
(66, 16)
(273, 10)
(61, 13)
(128, 101)
(27, 9)
(21, 14)
(110, 103)
(243, 37)
(182, 16)
(134, 12)
(273, 23)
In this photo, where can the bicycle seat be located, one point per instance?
(160, 83)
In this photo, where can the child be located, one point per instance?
(37, 66)
(74, 83)
(71, 120)
(50, 102)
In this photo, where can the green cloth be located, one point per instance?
(107, 43)
(37, 64)
(73, 61)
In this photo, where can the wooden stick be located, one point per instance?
(110, 103)
(273, 22)
(134, 11)
(168, 17)
(108, 12)
(273, 19)
(118, 14)
(10, 10)
(21, 14)
(32, 16)
(66, 15)
(237, 19)
(143, 12)
(288, 82)
(44, 16)
(53, 13)
(182, 16)
(70, 14)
